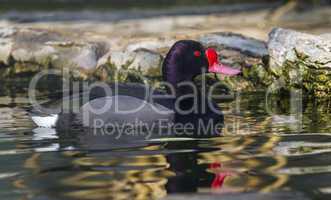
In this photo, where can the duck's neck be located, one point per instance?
(180, 87)
(178, 82)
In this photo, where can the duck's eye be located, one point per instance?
(197, 53)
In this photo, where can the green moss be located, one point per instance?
(312, 77)
(259, 76)
(155, 71)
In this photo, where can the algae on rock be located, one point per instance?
(301, 61)
(312, 77)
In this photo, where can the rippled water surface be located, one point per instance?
(262, 150)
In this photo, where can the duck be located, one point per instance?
(131, 104)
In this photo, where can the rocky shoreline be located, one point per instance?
(271, 59)
(289, 58)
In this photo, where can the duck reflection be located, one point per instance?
(97, 166)
(190, 175)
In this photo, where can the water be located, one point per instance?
(32, 13)
(260, 152)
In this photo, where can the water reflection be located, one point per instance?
(100, 167)
(264, 154)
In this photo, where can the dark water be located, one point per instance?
(259, 152)
(114, 4)
(115, 10)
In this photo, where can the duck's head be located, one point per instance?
(187, 58)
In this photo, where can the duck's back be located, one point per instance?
(120, 111)
(64, 112)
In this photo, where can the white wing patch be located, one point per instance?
(45, 122)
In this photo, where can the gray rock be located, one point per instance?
(119, 59)
(245, 45)
(47, 48)
(286, 44)
(146, 60)
(7, 32)
(140, 59)
(326, 35)
(300, 61)
(154, 45)
(6, 44)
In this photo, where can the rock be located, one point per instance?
(326, 35)
(32, 50)
(83, 56)
(27, 50)
(130, 66)
(155, 45)
(47, 48)
(245, 45)
(146, 60)
(301, 60)
(142, 60)
(284, 45)
(6, 44)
